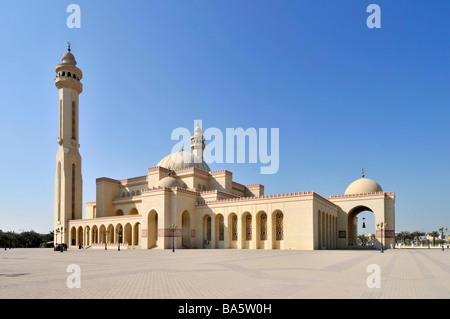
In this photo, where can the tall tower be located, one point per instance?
(68, 181)
(198, 144)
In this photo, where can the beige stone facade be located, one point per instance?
(209, 209)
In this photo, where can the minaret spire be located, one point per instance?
(363, 173)
(198, 144)
(68, 47)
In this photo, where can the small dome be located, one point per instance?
(198, 130)
(171, 182)
(182, 160)
(363, 185)
(69, 58)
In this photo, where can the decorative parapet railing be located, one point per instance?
(107, 179)
(122, 181)
(219, 192)
(255, 198)
(75, 222)
(254, 185)
(223, 171)
(170, 189)
(193, 170)
(134, 179)
(157, 168)
(180, 171)
(362, 195)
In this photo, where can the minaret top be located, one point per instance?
(68, 57)
(68, 74)
(198, 140)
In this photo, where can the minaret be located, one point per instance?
(68, 181)
(198, 144)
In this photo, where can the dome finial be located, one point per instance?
(363, 173)
(68, 46)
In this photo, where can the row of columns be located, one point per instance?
(87, 236)
(253, 240)
(327, 233)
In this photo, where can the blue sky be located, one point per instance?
(345, 97)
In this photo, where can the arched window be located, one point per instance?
(128, 194)
(263, 226)
(138, 192)
(208, 228)
(74, 123)
(69, 74)
(59, 191)
(63, 73)
(204, 188)
(73, 191)
(60, 119)
(123, 194)
(221, 228)
(248, 227)
(74, 76)
(234, 227)
(279, 226)
(133, 193)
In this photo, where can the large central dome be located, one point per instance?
(182, 160)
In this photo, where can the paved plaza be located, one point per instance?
(237, 274)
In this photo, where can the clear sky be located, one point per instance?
(344, 97)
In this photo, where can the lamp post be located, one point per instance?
(60, 231)
(119, 230)
(173, 227)
(442, 236)
(56, 237)
(380, 226)
(106, 232)
(62, 244)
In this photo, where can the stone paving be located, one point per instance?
(238, 274)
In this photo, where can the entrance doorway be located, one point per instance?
(361, 228)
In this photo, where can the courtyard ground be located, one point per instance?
(236, 274)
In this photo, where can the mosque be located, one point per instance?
(180, 203)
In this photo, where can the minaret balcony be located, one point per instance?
(68, 82)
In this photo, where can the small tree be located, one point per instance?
(363, 239)
(416, 235)
(434, 234)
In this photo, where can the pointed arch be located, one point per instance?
(232, 230)
(219, 231)
(261, 229)
(277, 229)
(246, 231)
(152, 231)
(186, 229)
